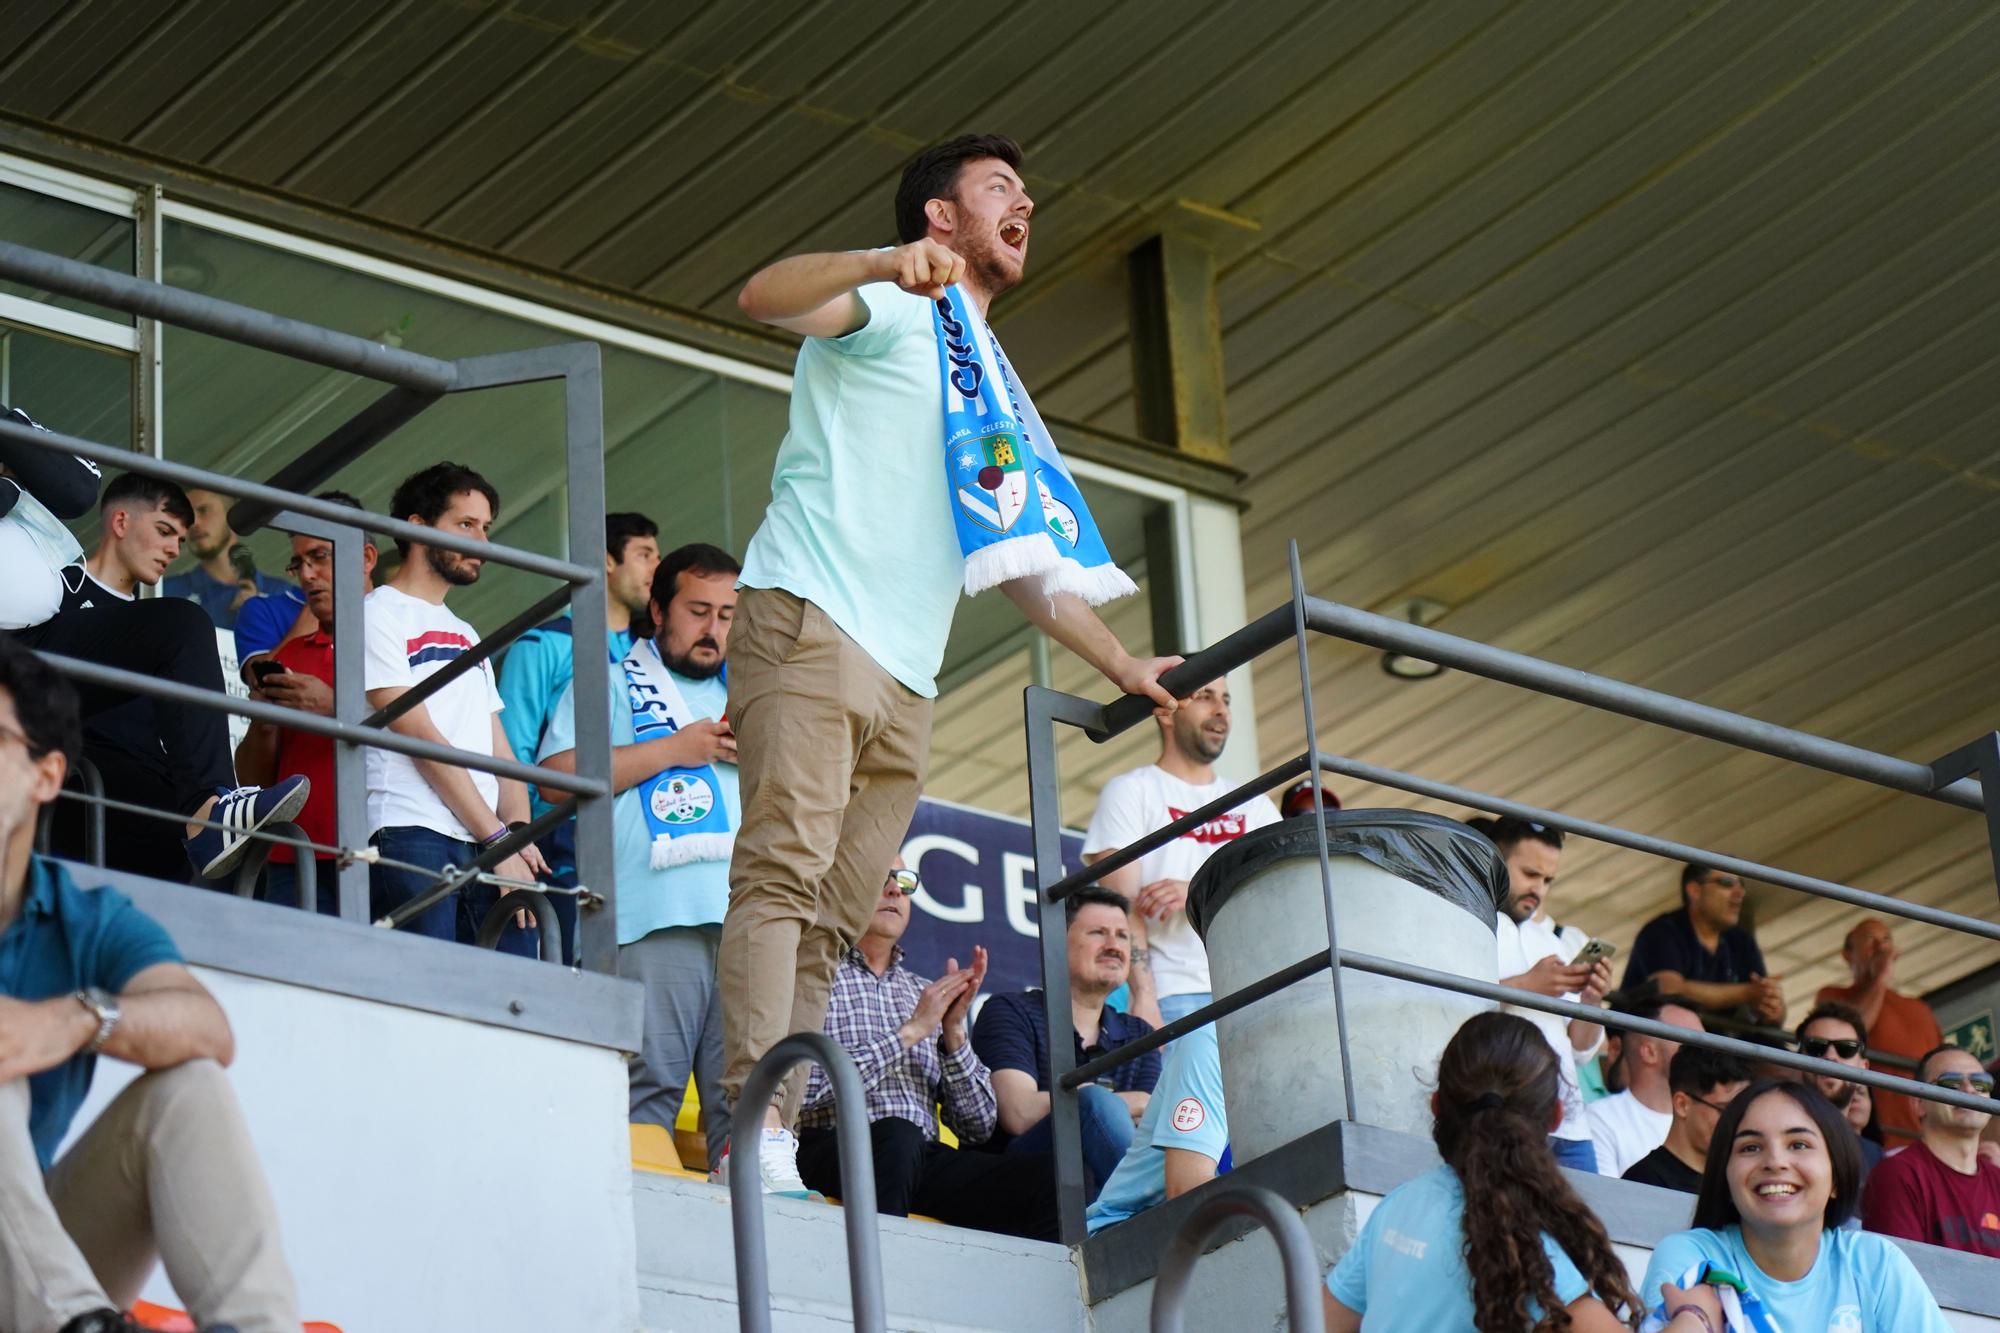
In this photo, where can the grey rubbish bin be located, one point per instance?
(1410, 886)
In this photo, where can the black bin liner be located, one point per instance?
(1456, 863)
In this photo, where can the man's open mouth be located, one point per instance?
(1014, 235)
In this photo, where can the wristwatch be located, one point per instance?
(104, 1005)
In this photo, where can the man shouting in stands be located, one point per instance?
(166, 1171)
(915, 466)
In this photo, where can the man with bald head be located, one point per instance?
(1897, 1024)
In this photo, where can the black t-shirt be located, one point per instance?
(1662, 1168)
(1668, 944)
(128, 728)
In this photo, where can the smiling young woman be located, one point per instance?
(1783, 1174)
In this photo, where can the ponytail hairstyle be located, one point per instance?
(1496, 1099)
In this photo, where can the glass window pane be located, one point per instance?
(72, 231)
(70, 387)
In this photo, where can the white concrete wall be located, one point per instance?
(1214, 606)
(432, 1174)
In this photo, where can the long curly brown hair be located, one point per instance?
(1496, 1097)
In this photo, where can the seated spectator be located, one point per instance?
(1782, 1178)
(224, 576)
(673, 765)
(153, 752)
(1178, 1141)
(1940, 1189)
(1627, 1125)
(909, 1042)
(167, 1170)
(306, 683)
(422, 812)
(1012, 1039)
(1495, 1238)
(1700, 954)
(1832, 1031)
(1895, 1023)
(1535, 956)
(39, 490)
(1703, 1083)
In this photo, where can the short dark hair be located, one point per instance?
(933, 174)
(1924, 1062)
(1506, 832)
(427, 494)
(1715, 1208)
(694, 558)
(1834, 1009)
(136, 491)
(624, 527)
(1093, 895)
(1697, 1071)
(44, 702)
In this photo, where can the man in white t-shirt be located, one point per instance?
(1627, 1125)
(422, 812)
(1534, 955)
(1136, 803)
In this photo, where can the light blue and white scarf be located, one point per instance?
(684, 808)
(1017, 509)
(1742, 1312)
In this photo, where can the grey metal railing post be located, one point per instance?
(1980, 760)
(857, 1182)
(1349, 1111)
(1305, 1307)
(1045, 809)
(350, 704)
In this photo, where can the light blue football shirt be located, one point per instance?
(1861, 1281)
(695, 894)
(1186, 1111)
(860, 520)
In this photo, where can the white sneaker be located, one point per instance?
(778, 1165)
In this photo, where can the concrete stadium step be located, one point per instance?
(937, 1279)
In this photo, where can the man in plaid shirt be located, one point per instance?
(908, 1039)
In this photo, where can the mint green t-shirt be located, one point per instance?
(859, 522)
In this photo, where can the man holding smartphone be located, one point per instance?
(298, 673)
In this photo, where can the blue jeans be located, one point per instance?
(1577, 1154)
(281, 886)
(1107, 1133)
(453, 917)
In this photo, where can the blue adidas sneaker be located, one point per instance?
(217, 851)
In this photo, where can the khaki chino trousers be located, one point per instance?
(831, 752)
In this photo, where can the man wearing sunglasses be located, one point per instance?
(1701, 955)
(1940, 1190)
(1836, 1032)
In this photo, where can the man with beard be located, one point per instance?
(420, 811)
(848, 590)
(1837, 1032)
(673, 765)
(1136, 803)
(1534, 955)
(541, 663)
(215, 582)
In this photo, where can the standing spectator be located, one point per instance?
(841, 635)
(1494, 1238)
(1897, 1024)
(39, 490)
(1627, 1125)
(165, 756)
(1534, 955)
(1782, 1180)
(1703, 1082)
(1940, 1190)
(1833, 1031)
(1700, 954)
(307, 685)
(908, 1039)
(1012, 1038)
(1180, 1139)
(167, 1169)
(673, 765)
(1134, 804)
(542, 663)
(224, 576)
(420, 811)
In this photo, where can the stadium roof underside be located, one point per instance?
(1657, 340)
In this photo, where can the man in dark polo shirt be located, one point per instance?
(307, 685)
(166, 1172)
(1012, 1038)
(1700, 954)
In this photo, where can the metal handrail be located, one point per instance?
(259, 855)
(857, 1182)
(1306, 1310)
(533, 901)
(84, 774)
